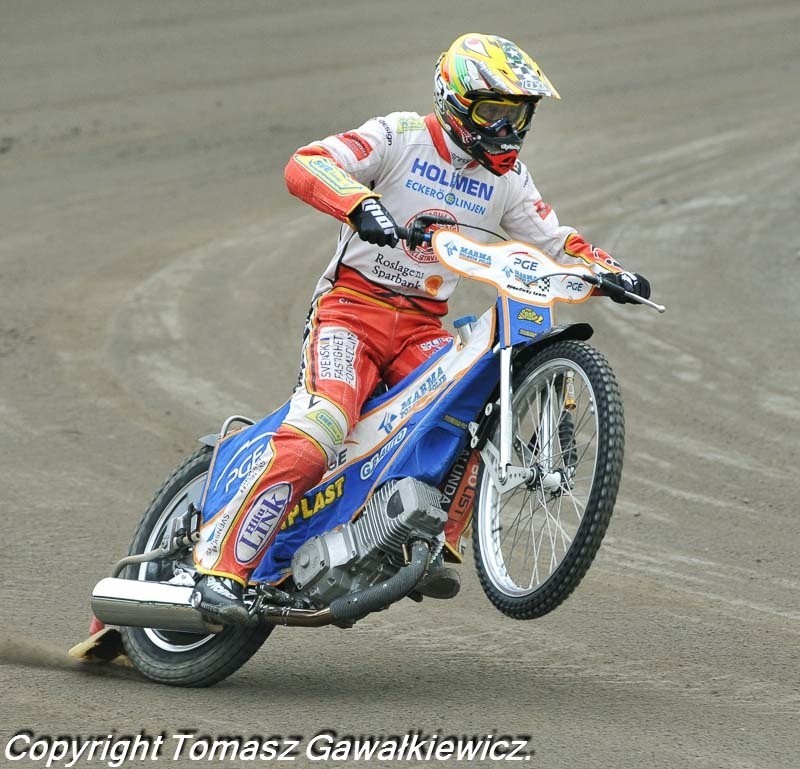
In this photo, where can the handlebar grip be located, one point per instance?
(426, 220)
(611, 289)
(414, 236)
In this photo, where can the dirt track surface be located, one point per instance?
(154, 276)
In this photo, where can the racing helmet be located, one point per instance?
(485, 92)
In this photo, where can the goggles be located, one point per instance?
(491, 114)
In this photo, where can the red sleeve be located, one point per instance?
(576, 246)
(316, 178)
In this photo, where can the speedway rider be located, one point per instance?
(377, 310)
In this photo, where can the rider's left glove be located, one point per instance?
(630, 281)
(375, 224)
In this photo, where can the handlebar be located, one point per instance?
(418, 234)
(615, 290)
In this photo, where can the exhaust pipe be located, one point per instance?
(156, 605)
(163, 606)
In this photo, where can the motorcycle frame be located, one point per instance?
(475, 374)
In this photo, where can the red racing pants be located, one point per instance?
(353, 342)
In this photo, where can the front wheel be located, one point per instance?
(168, 656)
(534, 543)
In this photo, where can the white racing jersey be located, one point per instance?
(411, 163)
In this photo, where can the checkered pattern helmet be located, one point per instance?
(486, 90)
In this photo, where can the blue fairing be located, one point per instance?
(441, 430)
(234, 458)
(424, 447)
(423, 444)
(379, 400)
(526, 322)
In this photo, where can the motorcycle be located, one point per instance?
(515, 428)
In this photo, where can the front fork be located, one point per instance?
(497, 459)
(506, 414)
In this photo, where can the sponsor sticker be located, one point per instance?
(432, 382)
(357, 144)
(452, 180)
(215, 535)
(387, 129)
(311, 504)
(459, 496)
(474, 255)
(410, 124)
(456, 422)
(251, 456)
(542, 208)
(574, 285)
(329, 424)
(387, 423)
(371, 464)
(450, 187)
(526, 313)
(524, 271)
(433, 284)
(330, 174)
(434, 344)
(394, 271)
(338, 460)
(336, 355)
(261, 521)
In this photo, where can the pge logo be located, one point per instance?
(526, 264)
(254, 453)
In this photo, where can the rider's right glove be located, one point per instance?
(630, 281)
(374, 223)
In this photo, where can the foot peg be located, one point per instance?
(220, 599)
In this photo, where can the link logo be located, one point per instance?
(261, 521)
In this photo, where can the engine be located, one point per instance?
(356, 555)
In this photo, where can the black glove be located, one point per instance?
(375, 224)
(629, 281)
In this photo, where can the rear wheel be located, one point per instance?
(168, 656)
(534, 543)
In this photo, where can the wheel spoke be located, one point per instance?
(532, 529)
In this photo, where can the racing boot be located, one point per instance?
(440, 581)
(220, 599)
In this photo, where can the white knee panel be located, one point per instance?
(319, 418)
